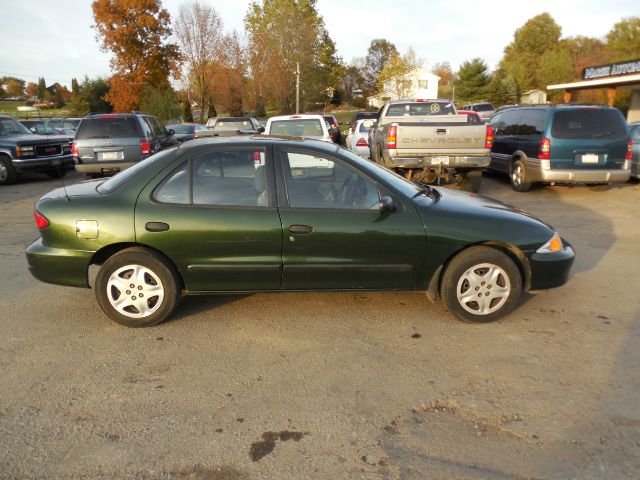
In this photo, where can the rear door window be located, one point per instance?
(588, 123)
(108, 127)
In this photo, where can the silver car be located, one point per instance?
(484, 109)
(358, 140)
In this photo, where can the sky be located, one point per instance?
(55, 39)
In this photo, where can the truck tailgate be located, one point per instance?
(430, 137)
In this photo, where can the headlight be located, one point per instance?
(22, 151)
(553, 245)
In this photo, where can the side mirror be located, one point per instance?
(33, 130)
(386, 205)
(171, 131)
(260, 129)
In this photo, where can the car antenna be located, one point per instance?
(57, 163)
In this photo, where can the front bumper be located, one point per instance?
(57, 265)
(42, 164)
(550, 270)
(538, 174)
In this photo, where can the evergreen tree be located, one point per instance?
(472, 81)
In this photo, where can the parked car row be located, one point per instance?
(530, 143)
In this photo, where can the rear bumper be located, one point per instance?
(549, 270)
(99, 167)
(58, 266)
(537, 174)
(433, 160)
(42, 164)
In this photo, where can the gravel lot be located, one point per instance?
(331, 385)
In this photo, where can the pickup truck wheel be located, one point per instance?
(481, 284)
(55, 173)
(471, 181)
(519, 178)
(8, 173)
(137, 288)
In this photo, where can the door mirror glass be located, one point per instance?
(171, 131)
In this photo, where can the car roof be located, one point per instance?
(260, 140)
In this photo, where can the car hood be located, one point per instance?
(33, 139)
(81, 189)
(477, 218)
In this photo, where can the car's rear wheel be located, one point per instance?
(8, 173)
(481, 284)
(519, 177)
(137, 288)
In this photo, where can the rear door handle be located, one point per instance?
(157, 226)
(300, 229)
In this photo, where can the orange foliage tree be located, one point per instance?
(136, 32)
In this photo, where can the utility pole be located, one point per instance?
(297, 87)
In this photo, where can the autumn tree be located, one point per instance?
(353, 77)
(14, 87)
(394, 76)
(472, 81)
(623, 40)
(31, 90)
(282, 35)
(378, 54)
(445, 84)
(522, 59)
(137, 33)
(229, 75)
(199, 33)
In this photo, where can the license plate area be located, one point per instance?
(440, 160)
(109, 156)
(590, 158)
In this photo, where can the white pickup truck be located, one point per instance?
(427, 141)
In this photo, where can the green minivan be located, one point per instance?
(560, 144)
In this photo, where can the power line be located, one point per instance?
(33, 76)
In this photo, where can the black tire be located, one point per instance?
(490, 273)
(56, 173)
(471, 181)
(8, 174)
(519, 177)
(153, 272)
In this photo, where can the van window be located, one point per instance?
(525, 122)
(108, 126)
(588, 123)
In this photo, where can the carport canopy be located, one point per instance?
(610, 82)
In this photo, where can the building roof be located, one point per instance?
(598, 83)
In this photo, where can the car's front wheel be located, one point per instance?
(481, 284)
(7, 171)
(137, 288)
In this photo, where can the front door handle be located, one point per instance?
(157, 226)
(300, 229)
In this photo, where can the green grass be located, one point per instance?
(11, 108)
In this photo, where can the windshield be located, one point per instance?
(122, 177)
(8, 126)
(366, 125)
(420, 109)
(108, 126)
(297, 128)
(483, 107)
(182, 129)
(230, 125)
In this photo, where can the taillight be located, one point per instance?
(145, 147)
(391, 136)
(488, 139)
(330, 135)
(362, 142)
(544, 149)
(629, 150)
(41, 220)
(74, 150)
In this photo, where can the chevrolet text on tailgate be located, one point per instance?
(429, 142)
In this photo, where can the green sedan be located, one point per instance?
(256, 214)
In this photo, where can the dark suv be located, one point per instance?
(560, 143)
(108, 143)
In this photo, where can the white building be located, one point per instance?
(418, 83)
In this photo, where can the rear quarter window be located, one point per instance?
(588, 123)
(108, 127)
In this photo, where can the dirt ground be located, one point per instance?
(331, 385)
